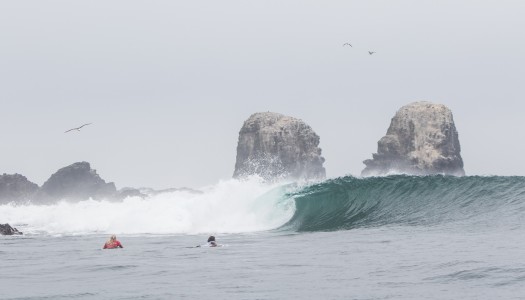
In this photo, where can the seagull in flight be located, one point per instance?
(371, 52)
(347, 44)
(77, 128)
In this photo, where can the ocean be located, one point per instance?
(394, 237)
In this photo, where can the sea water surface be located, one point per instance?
(397, 237)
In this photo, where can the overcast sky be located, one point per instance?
(168, 84)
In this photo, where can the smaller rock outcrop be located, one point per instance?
(6, 229)
(153, 192)
(145, 192)
(422, 139)
(129, 192)
(16, 188)
(76, 182)
(275, 146)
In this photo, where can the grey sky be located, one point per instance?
(168, 84)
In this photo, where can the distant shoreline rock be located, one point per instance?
(422, 139)
(153, 192)
(275, 146)
(76, 182)
(16, 188)
(6, 229)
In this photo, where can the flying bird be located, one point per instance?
(371, 52)
(77, 128)
(347, 44)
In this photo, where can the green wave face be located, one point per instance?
(349, 202)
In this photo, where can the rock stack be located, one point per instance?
(422, 139)
(275, 146)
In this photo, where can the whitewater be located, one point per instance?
(394, 237)
(231, 206)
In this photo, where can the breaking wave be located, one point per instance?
(231, 206)
(239, 206)
(349, 202)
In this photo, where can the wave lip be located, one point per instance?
(350, 202)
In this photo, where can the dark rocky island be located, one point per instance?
(275, 146)
(422, 139)
(76, 182)
(16, 188)
(6, 229)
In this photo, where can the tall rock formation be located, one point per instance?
(16, 188)
(422, 139)
(275, 146)
(76, 182)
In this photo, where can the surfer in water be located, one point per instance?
(112, 243)
(211, 242)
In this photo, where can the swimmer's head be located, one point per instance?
(211, 239)
(112, 238)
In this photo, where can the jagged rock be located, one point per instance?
(6, 229)
(16, 188)
(275, 146)
(422, 139)
(76, 182)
